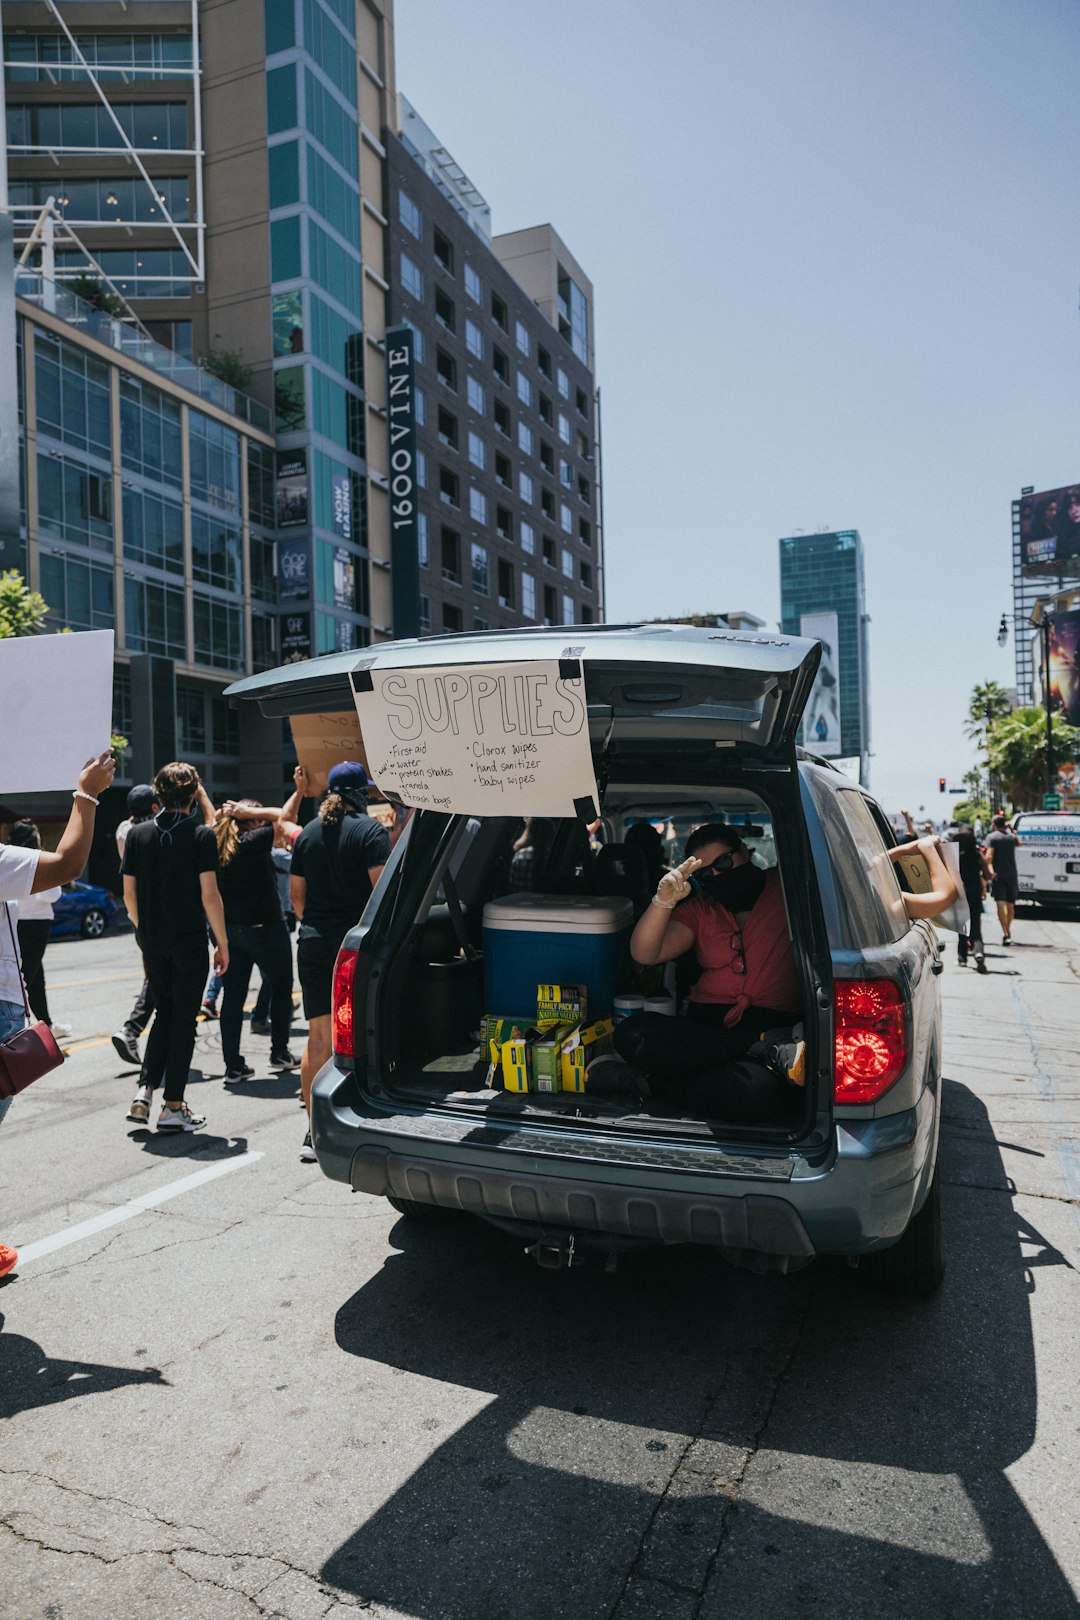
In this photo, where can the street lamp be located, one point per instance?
(1044, 622)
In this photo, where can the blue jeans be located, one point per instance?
(12, 1019)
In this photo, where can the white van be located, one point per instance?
(1048, 860)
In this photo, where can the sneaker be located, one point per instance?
(609, 1075)
(283, 1060)
(179, 1119)
(244, 1072)
(307, 1152)
(784, 1052)
(980, 961)
(127, 1047)
(61, 1031)
(140, 1105)
(9, 1259)
(260, 1026)
(208, 1009)
(1006, 939)
(961, 961)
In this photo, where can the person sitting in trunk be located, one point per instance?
(747, 1000)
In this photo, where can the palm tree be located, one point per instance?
(989, 701)
(1018, 752)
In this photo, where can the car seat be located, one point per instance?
(621, 869)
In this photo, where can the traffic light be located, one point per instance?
(941, 784)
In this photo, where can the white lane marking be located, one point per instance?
(124, 1212)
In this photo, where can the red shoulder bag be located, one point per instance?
(32, 1052)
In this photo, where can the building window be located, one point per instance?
(586, 613)
(524, 389)
(412, 278)
(506, 583)
(219, 632)
(153, 531)
(449, 487)
(448, 431)
(521, 337)
(215, 462)
(473, 284)
(573, 315)
(216, 555)
(444, 310)
(501, 366)
(409, 215)
(567, 609)
(563, 383)
(499, 313)
(153, 618)
(566, 518)
(422, 550)
(547, 504)
(474, 339)
(444, 251)
(425, 615)
(566, 472)
(452, 619)
(543, 360)
(584, 531)
(564, 427)
(477, 450)
(73, 396)
(74, 502)
(586, 575)
(501, 414)
(546, 413)
(528, 595)
(477, 505)
(581, 400)
(451, 556)
(549, 551)
(525, 438)
(420, 407)
(567, 564)
(421, 469)
(525, 488)
(79, 594)
(446, 369)
(149, 432)
(480, 624)
(547, 457)
(474, 392)
(504, 523)
(551, 604)
(417, 342)
(584, 490)
(528, 538)
(479, 569)
(503, 472)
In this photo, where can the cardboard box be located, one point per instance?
(561, 1003)
(322, 740)
(516, 1058)
(546, 1054)
(498, 1027)
(578, 1052)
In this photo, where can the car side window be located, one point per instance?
(889, 913)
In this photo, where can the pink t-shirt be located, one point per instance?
(770, 979)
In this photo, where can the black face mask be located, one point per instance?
(736, 887)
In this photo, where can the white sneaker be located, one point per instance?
(179, 1119)
(140, 1105)
(60, 1030)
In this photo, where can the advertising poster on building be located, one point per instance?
(341, 505)
(295, 637)
(344, 579)
(1064, 674)
(404, 508)
(291, 503)
(821, 722)
(294, 568)
(1050, 532)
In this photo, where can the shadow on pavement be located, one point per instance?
(277, 1086)
(881, 1428)
(31, 1378)
(187, 1144)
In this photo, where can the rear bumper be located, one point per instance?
(857, 1197)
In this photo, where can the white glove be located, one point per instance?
(674, 885)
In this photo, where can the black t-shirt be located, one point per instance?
(248, 884)
(333, 861)
(1001, 848)
(166, 856)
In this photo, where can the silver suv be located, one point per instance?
(687, 725)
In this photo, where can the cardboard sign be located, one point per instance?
(55, 708)
(322, 740)
(489, 739)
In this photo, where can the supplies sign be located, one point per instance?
(493, 739)
(55, 707)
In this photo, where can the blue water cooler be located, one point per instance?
(532, 939)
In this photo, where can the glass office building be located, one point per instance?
(822, 575)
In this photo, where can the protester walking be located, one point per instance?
(974, 873)
(256, 928)
(337, 860)
(26, 871)
(35, 924)
(1001, 846)
(171, 893)
(142, 805)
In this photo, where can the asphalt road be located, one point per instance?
(259, 1395)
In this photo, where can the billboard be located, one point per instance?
(294, 568)
(821, 722)
(404, 507)
(1049, 526)
(1064, 670)
(292, 489)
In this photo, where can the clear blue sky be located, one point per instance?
(836, 253)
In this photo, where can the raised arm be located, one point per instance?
(69, 857)
(658, 937)
(943, 891)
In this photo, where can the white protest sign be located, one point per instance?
(476, 740)
(55, 708)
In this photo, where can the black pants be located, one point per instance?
(973, 941)
(265, 945)
(141, 1013)
(685, 1059)
(33, 938)
(176, 978)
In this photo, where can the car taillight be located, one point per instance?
(870, 1044)
(341, 1005)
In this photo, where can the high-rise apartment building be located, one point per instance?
(823, 595)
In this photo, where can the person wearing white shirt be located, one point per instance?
(35, 921)
(24, 872)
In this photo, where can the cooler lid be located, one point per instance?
(583, 913)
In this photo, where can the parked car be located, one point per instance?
(687, 726)
(1048, 859)
(83, 908)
